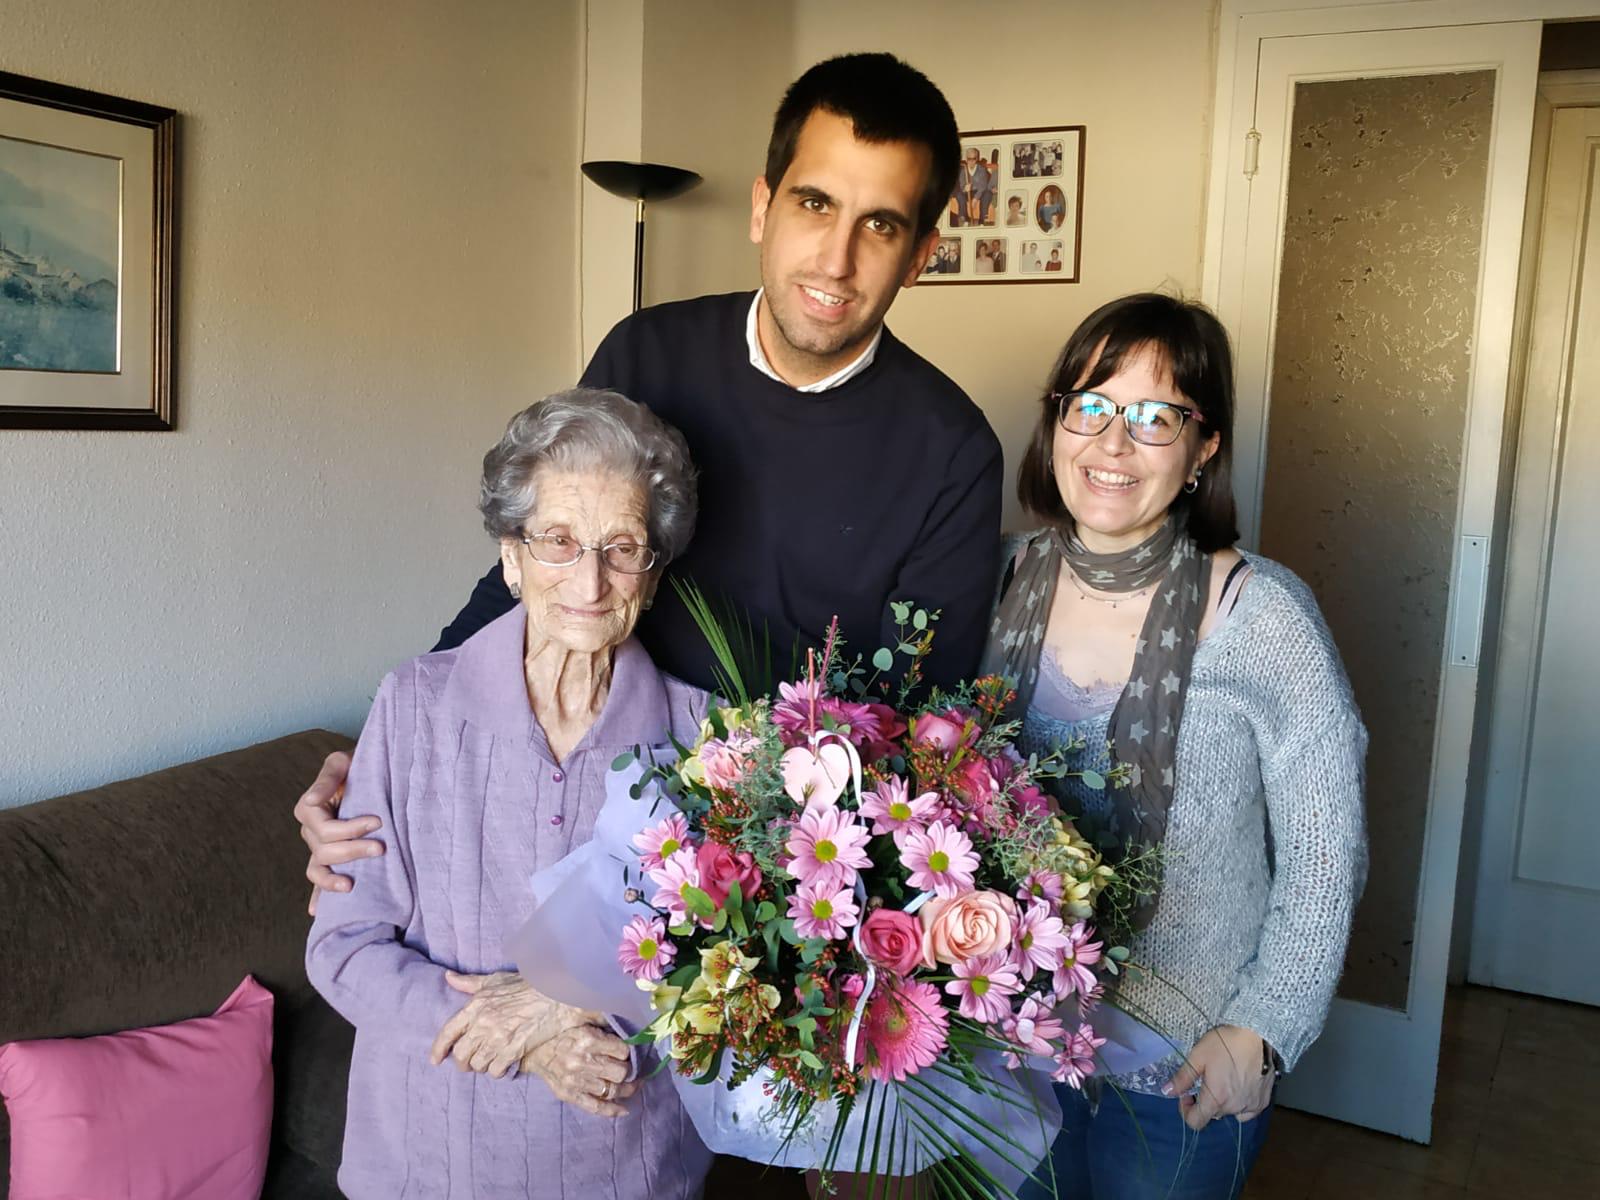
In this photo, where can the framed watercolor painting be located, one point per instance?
(1016, 215)
(86, 258)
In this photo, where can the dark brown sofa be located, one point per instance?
(146, 901)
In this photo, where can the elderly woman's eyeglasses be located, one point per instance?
(559, 550)
(1150, 422)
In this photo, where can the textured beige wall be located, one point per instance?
(376, 267)
(1369, 394)
(714, 73)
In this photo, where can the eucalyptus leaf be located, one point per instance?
(811, 1060)
(920, 619)
(622, 760)
(883, 658)
(765, 911)
(1095, 780)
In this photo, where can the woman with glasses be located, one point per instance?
(1137, 632)
(485, 764)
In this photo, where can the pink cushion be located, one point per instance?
(177, 1111)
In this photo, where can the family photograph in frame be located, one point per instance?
(86, 249)
(1016, 213)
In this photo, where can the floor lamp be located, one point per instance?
(640, 182)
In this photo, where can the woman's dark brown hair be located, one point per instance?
(1192, 344)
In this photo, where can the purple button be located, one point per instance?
(556, 820)
(557, 777)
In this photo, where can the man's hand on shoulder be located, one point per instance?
(332, 842)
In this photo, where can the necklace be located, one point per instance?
(1114, 600)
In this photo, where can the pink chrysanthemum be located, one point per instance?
(1040, 939)
(1041, 885)
(1075, 1062)
(804, 707)
(984, 986)
(940, 859)
(904, 1031)
(1072, 973)
(798, 707)
(662, 842)
(820, 911)
(1032, 1030)
(645, 952)
(1090, 1000)
(826, 848)
(680, 871)
(892, 807)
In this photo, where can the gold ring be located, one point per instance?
(607, 1091)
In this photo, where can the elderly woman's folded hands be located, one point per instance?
(506, 1023)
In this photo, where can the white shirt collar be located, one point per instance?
(758, 358)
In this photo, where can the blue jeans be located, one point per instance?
(1136, 1147)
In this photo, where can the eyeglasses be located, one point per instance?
(559, 550)
(1150, 422)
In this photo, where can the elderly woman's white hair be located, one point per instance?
(589, 429)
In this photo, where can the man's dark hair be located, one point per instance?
(1191, 344)
(886, 100)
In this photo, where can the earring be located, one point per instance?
(516, 591)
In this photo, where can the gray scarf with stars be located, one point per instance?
(1144, 724)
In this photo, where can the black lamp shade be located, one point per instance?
(640, 181)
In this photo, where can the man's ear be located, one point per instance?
(760, 200)
(919, 257)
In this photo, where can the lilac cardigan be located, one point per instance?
(473, 802)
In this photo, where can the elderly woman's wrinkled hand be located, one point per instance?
(586, 1066)
(504, 1021)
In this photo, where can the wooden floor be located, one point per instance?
(1516, 1116)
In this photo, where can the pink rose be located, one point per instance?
(893, 940)
(721, 867)
(725, 761)
(946, 732)
(971, 925)
(974, 781)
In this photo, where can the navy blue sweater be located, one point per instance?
(811, 505)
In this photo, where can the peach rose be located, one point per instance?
(969, 926)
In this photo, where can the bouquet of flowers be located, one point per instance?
(860, 901)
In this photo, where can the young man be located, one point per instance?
(839, 470)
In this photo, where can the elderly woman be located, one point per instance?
(485, 764)
(1135, 629)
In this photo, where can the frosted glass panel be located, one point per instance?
(1367, 415)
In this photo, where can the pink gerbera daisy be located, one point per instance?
(940, 859)
(820, 911)
(827, 847)
(904, 1030)
(983, 986)
(1075, 1062)
(662, 842)
(1040, 939)
(1031, 1029)
(1041, 885)
(645, 952)
(679, 872)
(892, 807)
(796, 712)
(1072, 973)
